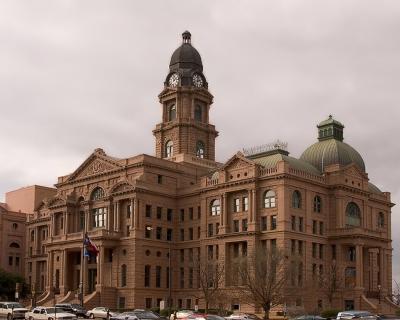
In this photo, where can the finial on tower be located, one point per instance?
(186, 37)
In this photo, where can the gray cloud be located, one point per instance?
(79, 75)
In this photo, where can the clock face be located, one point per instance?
(197, 80)
(173, 80)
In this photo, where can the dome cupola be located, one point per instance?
(186, 67)
(330, 149)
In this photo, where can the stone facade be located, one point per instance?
(151, 217)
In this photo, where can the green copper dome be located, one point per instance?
(331, 149)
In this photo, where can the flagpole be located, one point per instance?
(81, 288)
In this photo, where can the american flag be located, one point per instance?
(91, 249)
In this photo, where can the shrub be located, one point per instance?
(398, 312)
(330, 313)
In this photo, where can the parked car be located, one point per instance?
(12, 310)
(100, 312)
(242, 316)
(51, 313)
(347, 315)
(142, 314)
(76, 309)
(182, 314)
(130, 315)
(309, 317)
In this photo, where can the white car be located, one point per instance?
(100, 312)
(12, 310)
(347, 315)
(43, 313)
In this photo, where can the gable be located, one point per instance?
(353, 171)
(96, 164)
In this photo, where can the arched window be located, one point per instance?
(296, 199)
(317, 204)
(169, 149)
(123, 275)
(269, 199)
(172, 112)
(353, 215)
(381, 220)
(97, 194)
(198, 113)
(14, 245)
(200, 149)
(215, 207)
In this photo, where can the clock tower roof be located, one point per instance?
(186, 56)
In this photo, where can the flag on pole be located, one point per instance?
(91, 249)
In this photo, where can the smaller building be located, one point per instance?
(14, 214)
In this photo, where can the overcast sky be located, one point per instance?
(77, 75)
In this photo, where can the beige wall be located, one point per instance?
(27, 199)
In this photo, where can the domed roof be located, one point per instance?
(186, 56)
(330, 149)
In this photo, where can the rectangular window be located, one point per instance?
(235, 225)
(217, 252)
(210, 250)
(293, 223)
(10, 260)
(159, 212)
(314, 250)
(245, 204)
(352, 253)
(147, 232)
(314, 227)
(236, 205)
(321, 228)
(190, 213)
(169, 234)
(81, 220)
(198, 232)
(314, 270)
(99, 217)
(121, 302)
(148, 211)
(159, 179)
(147, 270)
(198, 212)
(169, 214)
(191, 254)
(217, 228)
(190, 278)
(321, 251)
(293, 246)
(300, 247)
(30, 266)
(210, 229)
(148, 303)
(128, 211)
(263, 223)
(182, 255)
(190, 233)
(301, 225)
(128, 232)
(159, 233)
(273, 222)
(182, 233)
(333, 247)
(273, 244)
(182, 278)
(158, 276)
(244, 225)
(244, 249)
(182, 215)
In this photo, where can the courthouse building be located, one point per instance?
(151, 216)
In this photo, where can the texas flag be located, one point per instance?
(91, 249)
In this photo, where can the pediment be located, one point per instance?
(97, 163)
(354, 171)
(238, 161)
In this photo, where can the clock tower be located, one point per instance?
(186, 102)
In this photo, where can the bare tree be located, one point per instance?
(263, 275)
(330, 282)
(210, 275)
(396, 293)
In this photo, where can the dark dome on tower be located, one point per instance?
(186, 63)
(186, 56)
(330, 149)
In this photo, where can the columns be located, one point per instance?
(108, 222)
(382, 270)
(253, 205)
(100, 262)
(50, 267)
(87, 220)
(225, 210)
(132, 217)
(65, 222)
(359, 267)
(135, 213)
(64, 273)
